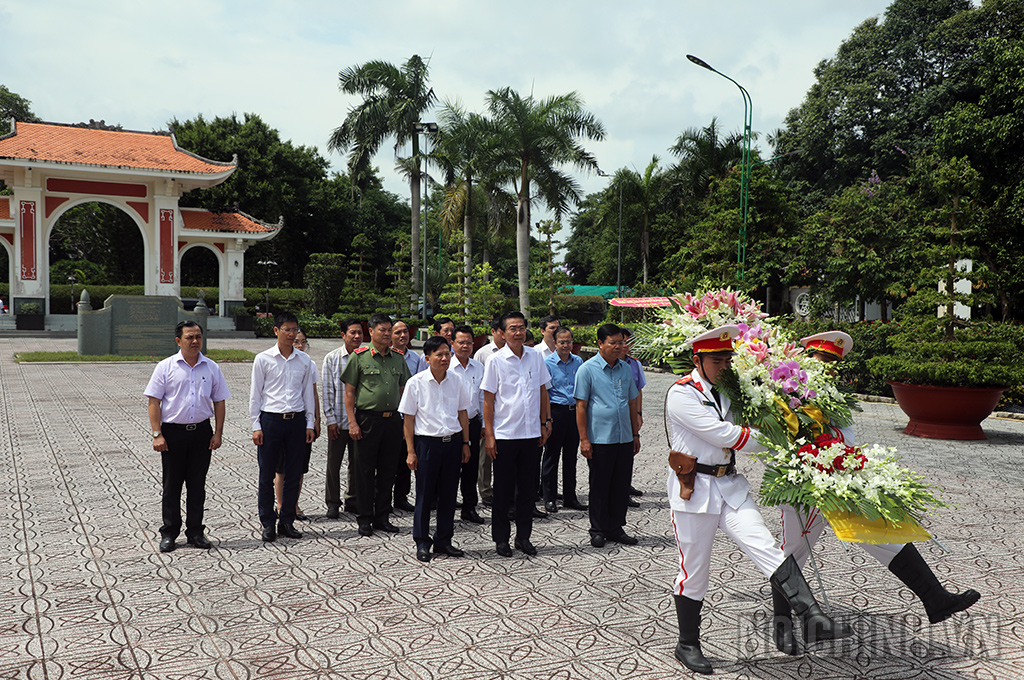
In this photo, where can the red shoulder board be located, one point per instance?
(688, 380)
(401, 352)
(361, 350)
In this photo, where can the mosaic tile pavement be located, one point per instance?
(85, 593)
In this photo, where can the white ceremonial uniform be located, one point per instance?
(799, 534)
(697, 425)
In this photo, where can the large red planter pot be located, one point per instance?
(938, 412)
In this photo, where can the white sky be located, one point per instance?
(139, 63)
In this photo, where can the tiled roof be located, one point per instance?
(49, 142)
(5, 208)
(204, 220)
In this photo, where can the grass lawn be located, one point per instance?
(219, 355)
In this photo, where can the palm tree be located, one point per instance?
(462, 145)
(704, 155)
(643, 191)
(394, 98)
(535, 138)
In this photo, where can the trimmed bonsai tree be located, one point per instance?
(939, 348)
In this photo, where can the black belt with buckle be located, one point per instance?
(376, 414)
(564, 407)
(187, 427)
(445, 439)
(285, 416)
(717, 470)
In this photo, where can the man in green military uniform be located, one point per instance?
(374, 379)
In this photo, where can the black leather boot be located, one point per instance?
(688, 650)
(782, 625)
(939, 603)
(790, 583)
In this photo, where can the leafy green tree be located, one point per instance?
(324, 276)
(535, 139)
(705, 154)
(394, 98)
(548, 279)
(645, 192)
(881, 95)
(103, 235)
(14, 106)
(987, 131)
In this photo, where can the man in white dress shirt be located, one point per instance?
(517, 421)
(483, 482)
(700, 423)
(282, 411)
(337, 420)
(547, 325)
(436, 426)
(472, 373)
(185, 391)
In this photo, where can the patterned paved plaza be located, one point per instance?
(85, 593)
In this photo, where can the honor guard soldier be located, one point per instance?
(706, 493)
(799, 535)
(374, 378)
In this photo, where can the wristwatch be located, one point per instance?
(156, 433)
(465, 443)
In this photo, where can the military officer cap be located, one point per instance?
(836, 343)
(716, 341)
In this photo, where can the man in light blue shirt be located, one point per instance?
(608, 425)
(564, 440)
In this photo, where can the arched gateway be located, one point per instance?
(52, 167)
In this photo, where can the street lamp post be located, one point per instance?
(268, 264)
(425, 129)
(748, 114)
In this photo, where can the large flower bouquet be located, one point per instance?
(795, 402)
(827, 474)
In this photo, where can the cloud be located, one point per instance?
(140, 64)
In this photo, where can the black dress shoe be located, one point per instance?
(199, 541)
(166, 544)
(387, 526)
(404, 504)
(423, 553)
(574, 504)
(624, 539)
(538, 513)
(526, 546)
(471, 515)
(632, 503)
(365, 530)
(503, 549)
(333, 511)
(551, 506)
(449, 550)
(597, 540)
(269, 535)
(288, 530)
(301, 516)
(633, 491)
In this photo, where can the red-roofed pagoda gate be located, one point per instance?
(52, 168)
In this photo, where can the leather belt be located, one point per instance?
(445, 439)
(564, 407)
(717, 470)
(284, 416)
(188, 427)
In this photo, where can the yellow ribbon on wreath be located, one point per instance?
(793, 422)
